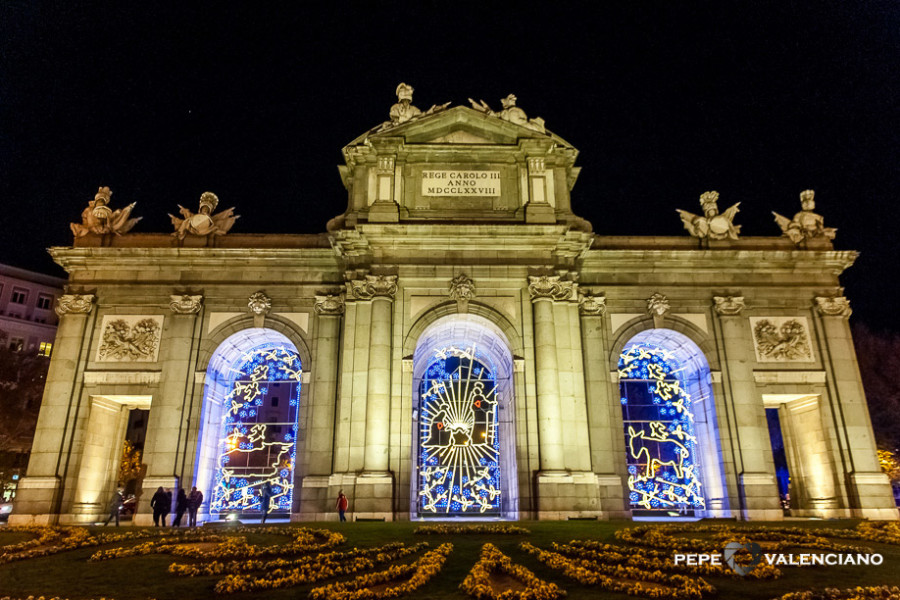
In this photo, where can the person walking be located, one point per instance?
(181, 505)
(341, 505)
(160, 505)
(195, 499)
(265, 496)
(114, 506)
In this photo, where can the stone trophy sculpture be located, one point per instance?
(98, 218)
(806, 225)
(712, 225)
(510, 112)
(204, 222)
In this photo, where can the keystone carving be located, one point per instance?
(185, 304)
(74, 304)
(330, 305)
(729, 305)
(462, 288)
(550, 287)
(658, 305)
(259, 304)
(838, 306)
(373, 286)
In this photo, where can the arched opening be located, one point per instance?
(463, 422)
(671, 438)
(249, 432)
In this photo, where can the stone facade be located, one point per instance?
(459, 230)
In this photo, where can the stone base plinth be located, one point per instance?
(759, 497)
(873, 496)
(539, 213)
(373, 497)
(34, 503)
(563, 494)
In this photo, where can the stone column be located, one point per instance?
(604, 436)
(544, 290)
(166, 423)
(315, 498)
(756, 471)
(374, 487)
(869, 488)
(39, 492)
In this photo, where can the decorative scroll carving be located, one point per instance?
(781, 339)
(806, 225)
(259, 304)
(185, 304)
(462, 288)
(74, 304)
(550, 287)
(838, 306)
(591, 304)
(729, 305)
(100, 219)
(511, 113)
(130, 338)
(384, 286)
(204, 222)
(711, 225)
(330, 305)
(658, 305)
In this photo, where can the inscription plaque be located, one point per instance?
(460, 183)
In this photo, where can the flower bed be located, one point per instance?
(628, 580)
(441, 529)
(314, 568)
(416, 574)
(882, 592)
(478, 582)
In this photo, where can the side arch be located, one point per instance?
(478, 309)
(634, 327)
(225, 330)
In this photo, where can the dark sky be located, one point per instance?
(757, 100)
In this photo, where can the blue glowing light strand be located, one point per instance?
(459, 447)
(659, 432)
(250, 453)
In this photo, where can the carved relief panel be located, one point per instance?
(781, 339)
(130, 338)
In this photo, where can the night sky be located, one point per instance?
(664, 100)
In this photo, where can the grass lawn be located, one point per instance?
(69, 574)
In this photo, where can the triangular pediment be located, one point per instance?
(459, 125)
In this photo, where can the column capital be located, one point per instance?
(550, 287)
(330, 305)
(75, 304)
(591, 304)
(838, 306)
(185, 304)
(729, 305)
(373, 286)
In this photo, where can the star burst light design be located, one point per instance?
(459, 469)
(663, 473)
(258, 435)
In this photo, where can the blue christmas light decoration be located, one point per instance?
(663, 472)
(459, 446)
(252, 448)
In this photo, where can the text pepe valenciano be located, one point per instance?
(460, 183)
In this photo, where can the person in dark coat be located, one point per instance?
(160, 504)
(114, 506)
(181, 505)
(265, 496)
(195, 499)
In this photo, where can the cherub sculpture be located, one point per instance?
(711, 225)
(806, 224)
(100, 219)
(510, 112)
(204, 222)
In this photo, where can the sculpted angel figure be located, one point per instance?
(711, 225)
(806, 224)
(100, 219)
(204, 222)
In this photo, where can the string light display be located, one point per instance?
(459, 449)
(663, 474)
(259, 432)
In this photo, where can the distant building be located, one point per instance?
(27, 319)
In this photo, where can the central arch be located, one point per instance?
(463, 421)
